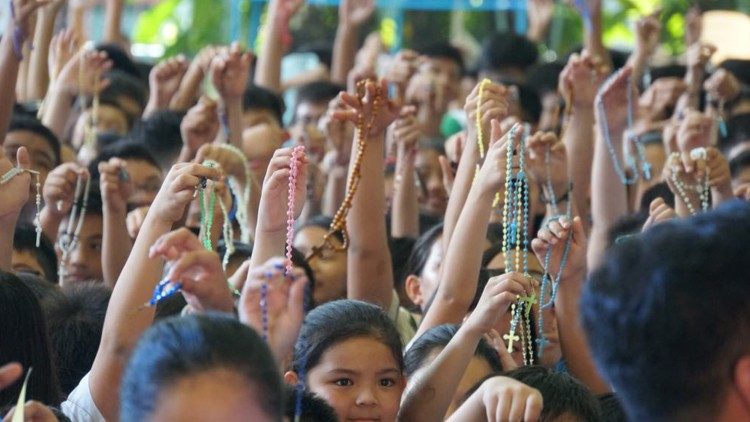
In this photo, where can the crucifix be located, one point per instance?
(511, 337)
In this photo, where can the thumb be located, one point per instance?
(23, 159)
(579, 234)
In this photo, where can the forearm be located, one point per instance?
(190, 85)
(579, 142)
(50, 222)
(344, 50)
(608, 197)
(112, 21)
(573, 343)
(116, 245)
(461, 186)
(233, 120)
(9, 71)
(57, 111)
(77, 20)
(335, 191)
(463, 259)
(370, 277)
(38, 80)
(8, 224)
(125, 320)
(431, 391)
(405, 207)
(268, 68)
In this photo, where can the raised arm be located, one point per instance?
(38, 79)
(164, 82)
(229, 74)
(647, 34)
(113, 21)
(463, 258)
(352, 14)
(370, 277)
(609, 199)
(405, 206)
(125, 320)
(116, 188)
(268, 71)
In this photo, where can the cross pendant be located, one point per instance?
(511, 337)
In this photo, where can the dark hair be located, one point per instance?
(421, 251)
(438, 338)
(126, 150)
(24, 239)
(179, 347)
(544, 76)
(124, 84)
(121, 61)
(739, 163)
(43, 290)
(659, 190)
(21, 122)
(562, 394)
(341, 320)
(160, 133)
(322, 221)
(76, 319)
(531, 105)
(738, 131)
(647, 309)
(739, 68)
(625, 226)
(443, 50)
(318, 92)
(259, 98)
(25, 340)
(314, 409)
(611, 408)
(507, 49)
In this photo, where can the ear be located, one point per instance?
(290, 378)
(413, 288)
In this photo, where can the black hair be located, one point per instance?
(544, 76)
(313, 408)
(659, 190)
(443, 50)
(739, 68)
(562, 394)
(318, 92)
(437, 338)
(611, 408)
(531, 105)
(335, 322)
(647, 309)
(123, 84)
(180, 347)
(24, 239)
(739, 163)
(25, 340)
(42, 289)
(401, 249)
(421, 251)
(76, 320)
(259, 98)
(322, 221)
(738, 131)
(22, 122)
(507, 49)
(625, 226)
(160, 133)
(125, 150)
(121, 61)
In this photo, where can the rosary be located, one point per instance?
(480, 135)
(338, 225)
(15, 171)
(516, 221)
(242, 196)
(629, 159)
(719, 105)
(297, 154)
(69, 239)
(682, 188)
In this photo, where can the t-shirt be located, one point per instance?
(406, 322)
(80, 406)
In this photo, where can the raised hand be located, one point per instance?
(164, 81)
(611, 96)
(15, 193)
(273, 199)
(540, 15)
(658, 212)
(230, 162)
(498, 295)
(285, 305)
(22, 12)
(580, 80)
(647, 32)
(537, 146)
(355, 12)
(495, 105)
(230, 72)
(59, 188)
(115, 184)
(402, 69)
(719, 175)
(698, 55)
(501, 399)
(178, 190)
(491, 176)
(377, 117)
(693, 132)
(693, 25)
(554, 236)
(199, 271)
(660, 97)
(406, 130)
(200, 125)
(723, 85)
(338, 133)
(89, 81)
(63, 47)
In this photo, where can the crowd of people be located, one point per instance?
(429, 238)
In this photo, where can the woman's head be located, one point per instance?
(429, 345)
(422, 271)
(349, 354)
(209, 367)
(329, 266)
(24, 339)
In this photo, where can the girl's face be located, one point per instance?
(329, 266)
(433, 198)
(430, 276)
(217, 394)
(360, 379)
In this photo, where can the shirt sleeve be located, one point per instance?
(80, 406)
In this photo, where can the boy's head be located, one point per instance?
(27, 258)
(42, 144)
(262, 106)
(666, 316)
(445, 64)
(75, 320)
(160, 133)
(143, 170)
(129, 92)
(312, 101)
(506, 57)
(84, 261)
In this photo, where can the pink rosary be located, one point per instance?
(294, 164)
